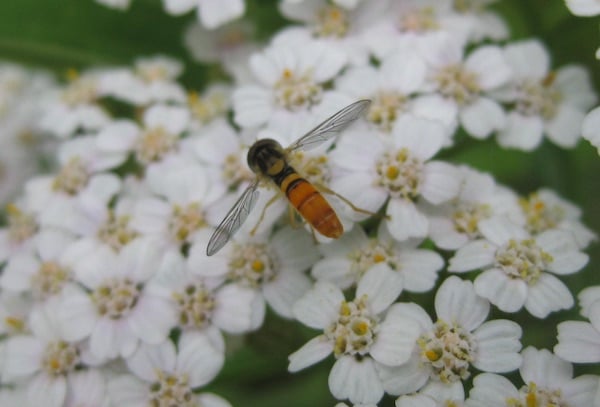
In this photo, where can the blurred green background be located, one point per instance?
(62, 34)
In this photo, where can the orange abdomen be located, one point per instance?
(312, 206)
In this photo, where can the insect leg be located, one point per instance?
(262, 214)
(355, 208)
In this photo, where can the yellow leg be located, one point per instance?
(262, 214)
(355, 208)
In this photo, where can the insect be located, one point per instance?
(269, 160)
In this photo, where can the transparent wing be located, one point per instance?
(330, 127)
(233, 220)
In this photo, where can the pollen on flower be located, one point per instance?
(205, 109)
(81, 90)
(313, 168)
(466, 217)
(115, 298)
(185, 220)
(449, 350)
(355, 329)
(419, 20)
(297, 90)
(154, 143)
(14, 324)
(116, 232)
(72, 177)
(21, 225)
(60, 358)
(196, 304)
(234, 172)
(400, 173)
(531, 395)
(49, 280)
(363, 258)
(539, 215)
(458, 83)
(152, 72)
(384, 109)
(538, 98)
(522, 259)
(171, 390)
(332, 21)
(252, 265)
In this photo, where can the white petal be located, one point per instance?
(251, 106)
(285, 290)
(199, 357)
(148, 359)
(295, 249)
(583, 8)
(422, 137)
(212, 400)
(521, 132)
(420, 269)
(179, 6)
(234, 308)
(591, 127)
(127, 390)
(404, 379)
(507, 294)
(498, 346)
(45, 390)
(440, 182)
(381, 285)
(103, 339)
(152, 319)
(489, 64)
(546, 295)
(482, 117)
(23, 356)
(471, 256)
(544, 368)
(500, 230)
(396, 340)
(581, 391)
(77, 314)
(214, 13)
(491, 390)
(355, 380)
(310, 353)
(578, 342)
(118, 136)
(456, 302)
(561, 245)
(528, 59)
(335, 270)
(319, 306)
(405, 220)
(565, 128)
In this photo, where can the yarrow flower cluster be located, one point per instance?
(106, 288)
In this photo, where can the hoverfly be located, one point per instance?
(270, 161)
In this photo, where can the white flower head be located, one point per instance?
(354, 254)
(590, 128)
(550, 102)
(272, 267)
(166, 376)
(21, 227)
(372, 170)
(548, 380)
(519, 268)
(455, 223)
(289, 78)
(358, 332)
(211, 14)
(447, 350)
(118, 307)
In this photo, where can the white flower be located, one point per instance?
(209, 106)
(579, 341)
(45, 357)
(183, 202)
(584, 7)
(168, 376)
(484, 24)
(86, 388)
(118, 307)
(211, 13)
(464, 85)
(21, 228)
(358, 333)
(389, 87)
(455, 223)
(204, 304)
(14, 309)
(159, 137)
(81, 187)
(519, 268)
(332, 24)
(548, 381)
(290, 79)
(230, 45)
(43, 271)
(354, 254)
(75, 107)
(546, 210)
(545, 102)
(590, 128)
(445, 351)
(399, 169)
(273, 268)
(117, 4)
